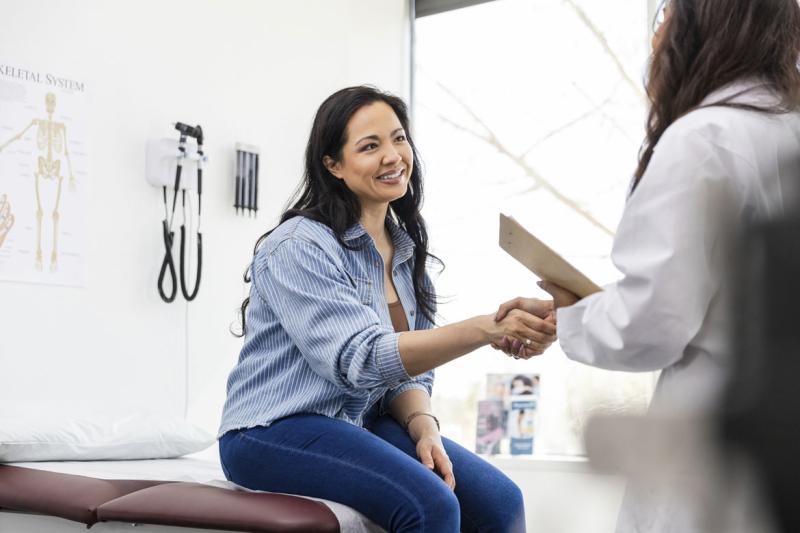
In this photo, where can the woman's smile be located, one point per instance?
(392, 177)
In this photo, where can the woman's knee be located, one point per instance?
(515, 520)
(434, 508)
(507, 511)
(441, 510)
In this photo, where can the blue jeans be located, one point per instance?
(375, 471)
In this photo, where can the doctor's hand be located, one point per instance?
(519, 350)
(561, 296)
(542, 309)
(525, 334)
(534, 306)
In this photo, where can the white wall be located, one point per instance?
(247, 70)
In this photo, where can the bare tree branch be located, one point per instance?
(565, 126)
(603, 113)
(539, 180)
(606, 47)
(460, 127)
(491, 137)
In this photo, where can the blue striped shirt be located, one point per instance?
(319, 335)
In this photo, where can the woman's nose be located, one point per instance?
(391, 157)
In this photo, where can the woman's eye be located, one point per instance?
(400, 138)
(369, 146)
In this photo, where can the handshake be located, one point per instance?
(526, 327)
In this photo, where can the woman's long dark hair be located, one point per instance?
(326, 199)
(707, 44)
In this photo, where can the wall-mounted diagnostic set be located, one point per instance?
(166, 159)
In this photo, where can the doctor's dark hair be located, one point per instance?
(324, 198)
(704, 45)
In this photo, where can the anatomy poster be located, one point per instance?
(44, 176)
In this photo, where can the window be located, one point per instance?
(534, 108)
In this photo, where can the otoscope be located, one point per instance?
(196, 132)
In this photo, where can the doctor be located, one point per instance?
(722, 149)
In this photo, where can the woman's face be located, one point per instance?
(377, 159)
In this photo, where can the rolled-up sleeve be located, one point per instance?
(668, 250)
(341, 338)
(423, 381)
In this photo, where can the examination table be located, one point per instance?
(184, 492)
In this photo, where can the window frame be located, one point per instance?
(423, 8)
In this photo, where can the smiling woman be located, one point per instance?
(376, 159)
(340, 338)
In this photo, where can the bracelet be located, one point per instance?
(415, 414)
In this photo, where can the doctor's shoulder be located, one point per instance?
(713, 123)
(714, 129)
(689, 153)
(735, 129)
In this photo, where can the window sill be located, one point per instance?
(576, 464)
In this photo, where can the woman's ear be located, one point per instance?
(334, 167)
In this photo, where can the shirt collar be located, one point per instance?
(403, 244)
(355, 231)
(748, 91)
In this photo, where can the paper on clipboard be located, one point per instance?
(541, 259)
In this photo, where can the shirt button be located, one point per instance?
(412, 312)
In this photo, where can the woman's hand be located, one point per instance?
(520, 349)
(412, 409)
(528, 334)
(431, 453)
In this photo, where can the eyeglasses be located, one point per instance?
(661, 14)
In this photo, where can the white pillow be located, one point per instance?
(99, 438)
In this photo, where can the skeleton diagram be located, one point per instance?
(6, 219)
(51, 140)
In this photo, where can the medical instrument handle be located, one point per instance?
(178, 169)
(196, 132)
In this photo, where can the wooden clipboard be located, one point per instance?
(541, 259)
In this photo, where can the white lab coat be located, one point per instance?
(712, 171)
